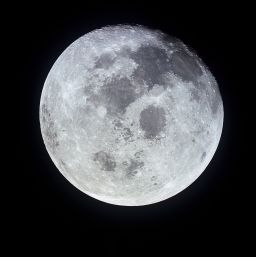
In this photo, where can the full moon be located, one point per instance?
(130, 115)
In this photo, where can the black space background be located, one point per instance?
(211, 214)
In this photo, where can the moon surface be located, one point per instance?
(130, 116)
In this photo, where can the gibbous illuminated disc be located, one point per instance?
(130, 115)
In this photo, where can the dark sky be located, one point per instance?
(211, 214)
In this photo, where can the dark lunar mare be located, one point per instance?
(152, 121)
(105, 61)
(106, 160)
(153, 65)
(131, 170)
(185, 66)
(118, 94)
(152, 62)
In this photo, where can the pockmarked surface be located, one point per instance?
(130, 115)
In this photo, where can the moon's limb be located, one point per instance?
(130, 116)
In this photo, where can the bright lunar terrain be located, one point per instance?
(130, 116)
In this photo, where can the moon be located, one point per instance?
(130, 115)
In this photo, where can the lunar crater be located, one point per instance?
(195, 94)
(203, 156)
